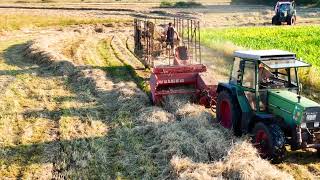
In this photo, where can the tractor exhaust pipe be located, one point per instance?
(299, 136)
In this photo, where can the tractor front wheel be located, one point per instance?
(270, 141)
(291, 20)
(228, 112)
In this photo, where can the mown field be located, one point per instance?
(74, 106)
(19, 21)
(302, 40)
(103, 1)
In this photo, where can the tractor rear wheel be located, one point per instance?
(274, 20)
(228, 112)
(270, 141)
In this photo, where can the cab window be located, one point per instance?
(248, 79)
(236, 72)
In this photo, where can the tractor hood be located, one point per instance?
(287, 105)
(283, 13)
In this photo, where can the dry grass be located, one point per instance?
(49, 128)
(39, 117)
(17, 21)
(103, 1)
(83, 116)
(241, 163)
(185, 145)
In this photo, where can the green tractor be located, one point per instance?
(262, 98)
(285, 12)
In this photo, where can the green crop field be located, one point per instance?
(303, 40)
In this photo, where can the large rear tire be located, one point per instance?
(228, 112)
(270, 141)
(274, 20)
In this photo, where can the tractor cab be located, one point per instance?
(263, 99)
(260, 72)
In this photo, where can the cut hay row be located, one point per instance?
(85, 52)
(119, 46)
(134, 66)
(146, 142)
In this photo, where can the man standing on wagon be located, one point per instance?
(170, 32)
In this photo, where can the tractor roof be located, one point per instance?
(286, 1)
(274, 59)
(285, 63)
(264, 54)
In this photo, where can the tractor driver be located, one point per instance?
(264, 74)
(170, 32)
(264, 79)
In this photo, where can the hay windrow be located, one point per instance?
(241, 163)
(178, 141)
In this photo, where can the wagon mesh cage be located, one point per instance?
(149, 46)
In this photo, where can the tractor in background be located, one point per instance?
(263, 98)
(285, 12)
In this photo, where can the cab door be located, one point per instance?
(249, 83)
